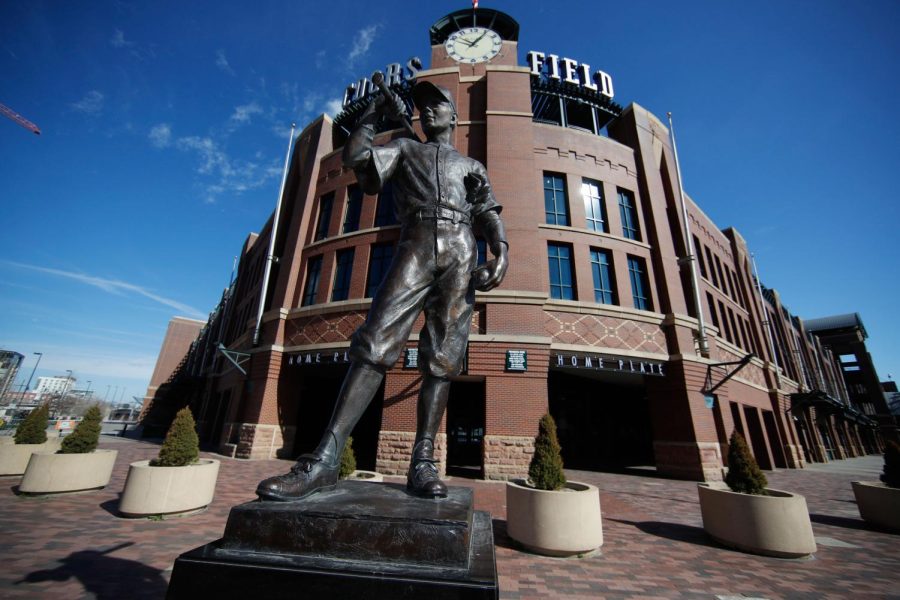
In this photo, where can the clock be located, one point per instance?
(472, 45)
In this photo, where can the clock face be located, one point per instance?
(473, 45)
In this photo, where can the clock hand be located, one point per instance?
(479, 38)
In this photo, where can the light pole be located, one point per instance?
(87, 392)
(40, 355)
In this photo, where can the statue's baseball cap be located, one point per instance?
(425, 90)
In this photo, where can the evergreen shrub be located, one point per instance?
(33, 430)
(744, 475)
(891, 475)
(546, 468)
(86, 435)
(348, 460)
(181, 446)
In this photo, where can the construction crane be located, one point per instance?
(13, 115)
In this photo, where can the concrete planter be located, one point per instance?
(370, 476)
(51, 473)
(14, 457)
(554, 523)
(773, 525)
(168, 490)
(878, 503)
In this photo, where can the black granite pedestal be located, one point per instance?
(360, 539)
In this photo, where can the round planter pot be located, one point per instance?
(14, 457)
(50, 473)
(168, 490)
(773, 525)
(878, 504)
(554, 523)
(370, 476)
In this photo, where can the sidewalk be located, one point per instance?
(75, 546)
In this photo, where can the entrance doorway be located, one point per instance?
(602, 420)
(465, 429)
(318, 390)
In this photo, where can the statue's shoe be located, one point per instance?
(308, 476)
(422, 480)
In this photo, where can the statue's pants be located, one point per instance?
(431, 271)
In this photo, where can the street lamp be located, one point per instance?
(39, 355)
(87, 392)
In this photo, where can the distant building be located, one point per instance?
(891, 396)
(180, 336)
(9, 367)
(55, 385)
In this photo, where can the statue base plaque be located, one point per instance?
(365, 539)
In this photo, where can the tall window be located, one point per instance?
(354, 208)
(724, 284)
(640, 285)
(698, 252)
(725, 327)
(325, 206)
(556, 206)
(628, 212)
(384, 209)
(342, 273)
(560, 261)
(379, 261)
(712, 309)
(712, 270)
(594, 210)
(313, 271)
(604, 284)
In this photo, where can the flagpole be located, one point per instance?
(270, 256)
(691, 257)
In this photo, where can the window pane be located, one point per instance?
(354, 208)
(342, 273)
(560, 270)
(325, 206)
(313, 271)
(628, 212)
(604, 290)
(556, 205)
(640, 288)
(594, 209)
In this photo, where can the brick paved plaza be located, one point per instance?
(75, 546)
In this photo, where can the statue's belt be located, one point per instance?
(442, 213)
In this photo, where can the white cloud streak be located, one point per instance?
(362, 42)
(90, 104)
(118, 40)
(115, 286)
(161, 135)
(222, 62)
(243, 114)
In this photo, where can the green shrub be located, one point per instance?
(546, 468)
(86, 435)
(348, 460)
(744, 475)
(891, 475)
(33, 430)
(181, 446)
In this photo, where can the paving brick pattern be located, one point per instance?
(74, 546)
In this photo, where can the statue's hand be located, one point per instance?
(491, 274)
(390, 106)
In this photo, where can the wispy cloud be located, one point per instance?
(90, 104)
(232, 175)
(139, 51)
(243, 113)
(118, 40)
(361, 43)
(161, 135)
(333, 107)
(222, 62)
(114, 286)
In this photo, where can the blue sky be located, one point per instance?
(164, 127)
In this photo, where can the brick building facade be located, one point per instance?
(595, 322)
